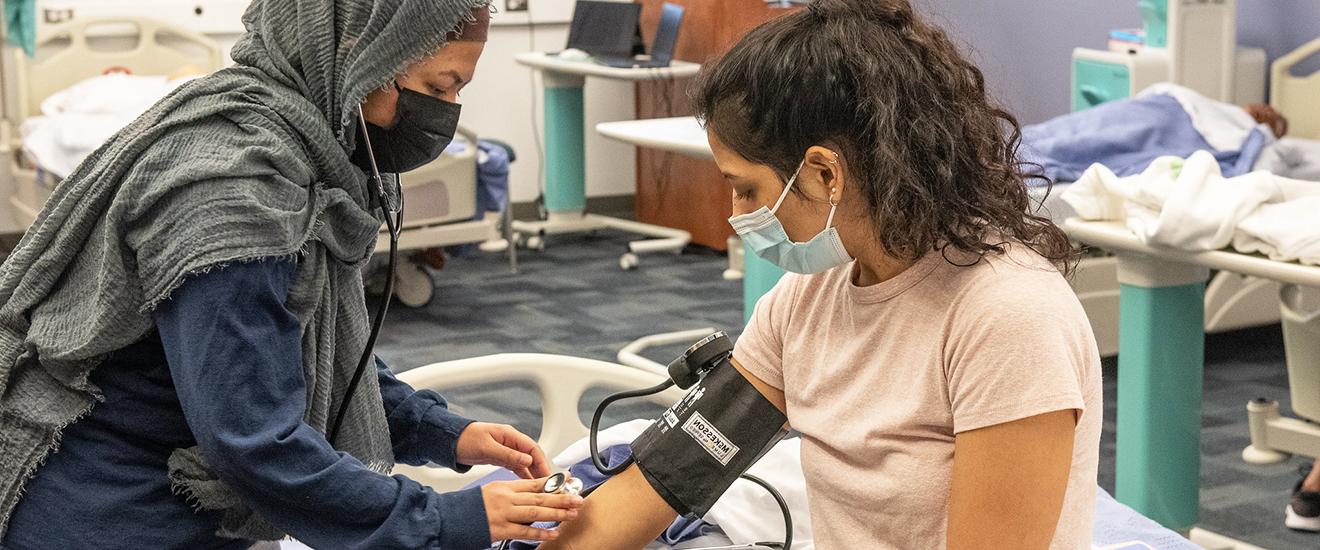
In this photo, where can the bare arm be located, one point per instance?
(1264, 114)
(626, 513)
(1000, 500)
(771, 393)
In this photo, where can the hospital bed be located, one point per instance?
(1232, 301)
(441, 197)
(70, 53)
(563, 382)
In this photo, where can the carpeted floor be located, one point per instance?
(573, 299)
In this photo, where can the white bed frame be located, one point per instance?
(562, 382)
(1296, 96)
(66, 55)
(1232, 301)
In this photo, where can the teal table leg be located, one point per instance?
(565, 162)
(759, 276)
(1160, 361)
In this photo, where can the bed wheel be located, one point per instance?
(494, 245)
(413, 286)
(536, 242)
(629, 261)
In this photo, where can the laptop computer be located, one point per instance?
(662, 49)
(605, 29)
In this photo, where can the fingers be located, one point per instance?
(527, 485)
(548, 501)
(515, 460)
(505, 446)
(525, 453)
(540, 466)
(533, 514)
(511, 505)
(523, 532)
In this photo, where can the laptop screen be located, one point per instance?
(666, 35)
(604, 28)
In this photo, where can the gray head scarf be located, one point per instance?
(248, 163)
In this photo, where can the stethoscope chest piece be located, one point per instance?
(561, 483)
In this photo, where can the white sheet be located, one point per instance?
(77, 120)
(1189, 205)
(1291, 157)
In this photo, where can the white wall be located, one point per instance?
(1025, 46)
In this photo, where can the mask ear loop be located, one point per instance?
(834, 203)
(788, 186)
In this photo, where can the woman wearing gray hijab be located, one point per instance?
(179, 328)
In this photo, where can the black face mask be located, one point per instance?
(422, 127)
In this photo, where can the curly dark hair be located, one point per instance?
(935, 158)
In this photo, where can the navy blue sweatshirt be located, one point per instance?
(224, 372)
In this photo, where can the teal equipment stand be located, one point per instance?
(566, 177)
(565, 192)
(1161, 346)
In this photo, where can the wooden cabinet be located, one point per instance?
(675, 190)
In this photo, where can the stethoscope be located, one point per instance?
(561, 483)
(393, 223)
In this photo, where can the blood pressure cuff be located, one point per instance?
(700, 445)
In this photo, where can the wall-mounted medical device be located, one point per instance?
(1192, 43)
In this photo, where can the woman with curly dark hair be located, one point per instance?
(926, 345)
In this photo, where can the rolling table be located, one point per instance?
(1161, 347)
(565, 177)
(684, 135)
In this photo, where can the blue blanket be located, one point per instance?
(1116, 524)
(1125, 136)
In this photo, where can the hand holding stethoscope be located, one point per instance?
(554, 490)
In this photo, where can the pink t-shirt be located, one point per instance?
(879, 379)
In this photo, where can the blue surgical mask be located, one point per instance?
(763, 233)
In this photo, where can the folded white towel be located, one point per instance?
(1188, 204)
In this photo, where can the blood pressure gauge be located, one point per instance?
(699, 359)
